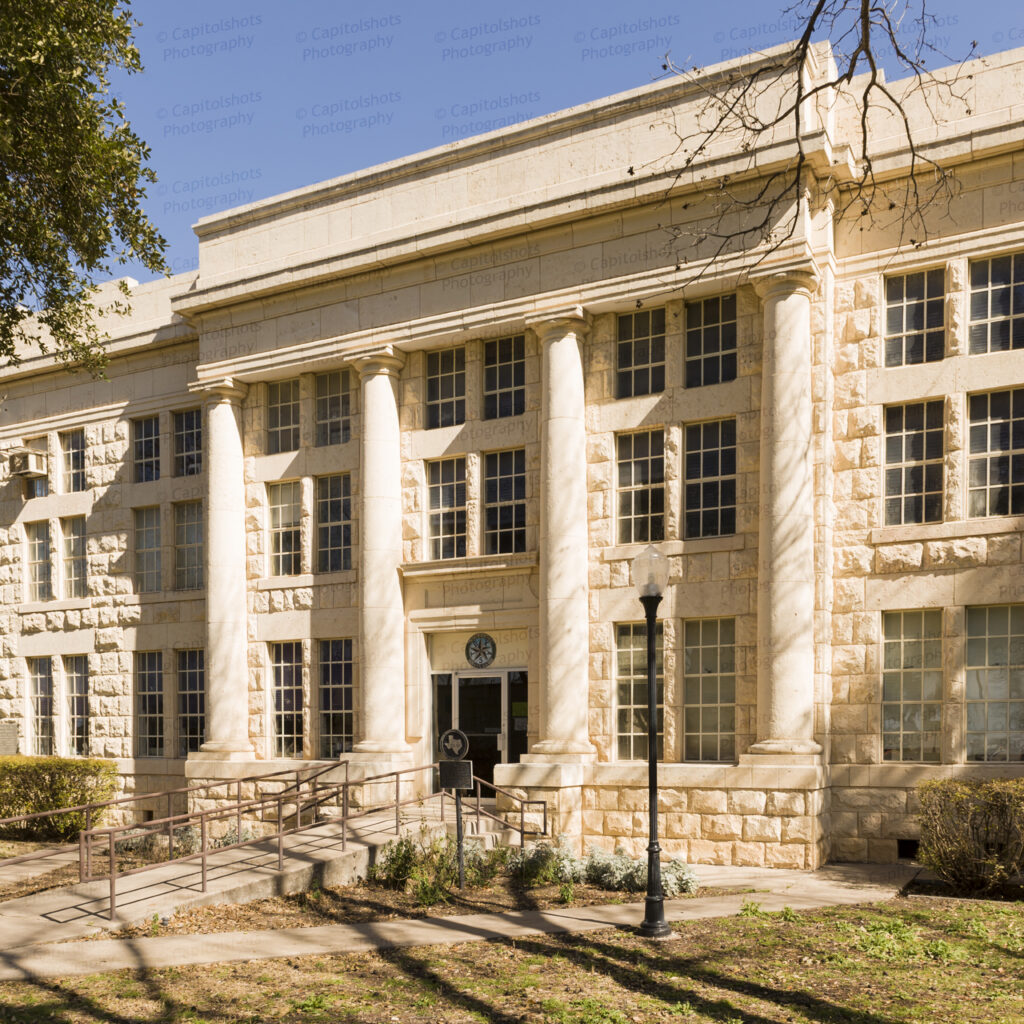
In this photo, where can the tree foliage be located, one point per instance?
(72, 174)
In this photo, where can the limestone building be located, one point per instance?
(380, 467)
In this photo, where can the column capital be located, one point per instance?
(384, 359)
(802, 278)
(226, 388)
(559, 321)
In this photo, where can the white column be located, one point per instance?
(227, 667)
(785, 601)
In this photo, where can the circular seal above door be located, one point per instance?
(480, 650)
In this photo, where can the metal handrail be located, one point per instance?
(483, 812)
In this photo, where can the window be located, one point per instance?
(447, 486)
(285, 502)
(446, 388)
(710, 484)
(149, 704)
(710, 341)
(504, 377)
(146, 448)
(76, 678)
(40, 585)
(38, 486)
(72, 447)
(995, 683)
(641, 486)
(631, 680)
(915, 330)
(997, 304)
(75, 567)
(188, 545)
(709, 690)
(147, 550)
(335, 697)
(191, 701)
(913, 463)
(333, 408)
(188, 442)
(640, 358)
(283, 416)
(286, 665)
(40, 673)
(333, 523)
(505, 501)
(995, 463)
(912, 686)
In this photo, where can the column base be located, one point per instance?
(225, 750)
(785, 747)
(379, 748)
(569, 751)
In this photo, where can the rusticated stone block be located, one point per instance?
(784, 803)
(704, 851)
(748, 854)
(682, 826)
(798, 830)
(747, 801)
(758, 828)
(708, 801)
(786, 855)
(722, 826)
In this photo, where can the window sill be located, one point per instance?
(69, 604)
(946, 531)
(732, 542)
(521, 562)
(304, 579)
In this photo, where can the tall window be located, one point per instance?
(188, 545)
(709, 690)
(191, 701)
(283, 416)
(40, 583)
(913, 463)
(710, 484)
(188, 442)
(995, 463)
(72, 448)
(38, 486)
(76, 678)
(333, 523)
(333, 408)
(640, 359)
(504, 377)
(446, 481)
(286, 665)
(446, 387)
(40, 673)
(149, 704)
(641, 486)
(505, 501)
(335, 697)
(74, 561)
(285, 501)
(912, 686)
(147, 550)
(915, 324)
(995, 683)
(997, 304)
(631, 685)
(146, 448)
(711, 341)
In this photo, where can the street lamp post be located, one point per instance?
(650, 577)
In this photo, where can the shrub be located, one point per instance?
(395, 863)
(972, 831)
(546, 864)
(619, 872)
(32, 784)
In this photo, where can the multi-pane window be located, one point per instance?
(149, 704)
(915, 324)
(995, 463)
(283, 416)
(335, 697)
(147, 550)
(710, 479)
(285, 503)
(74, 561)
(76, 681)
(913, 463)
(446, 484)
(912, 686)
(640, 353)
(997, 304)
(40, 672)
(72, 449)
(641, 486)
(711, 341)
(188, 442)
(333, 408)
(191, 701)
(333, 523)
(995, 683)
(505, 501)
(286, 666)
(446, 387)
(38, 486)
(709, 690)
(631, 690)
(188, 545)
(146, 448)
(504, 377)
(40, 583)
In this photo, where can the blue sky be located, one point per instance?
(240, 101)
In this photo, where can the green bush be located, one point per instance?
(32, 784)
(972, 831)
(619, 872)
